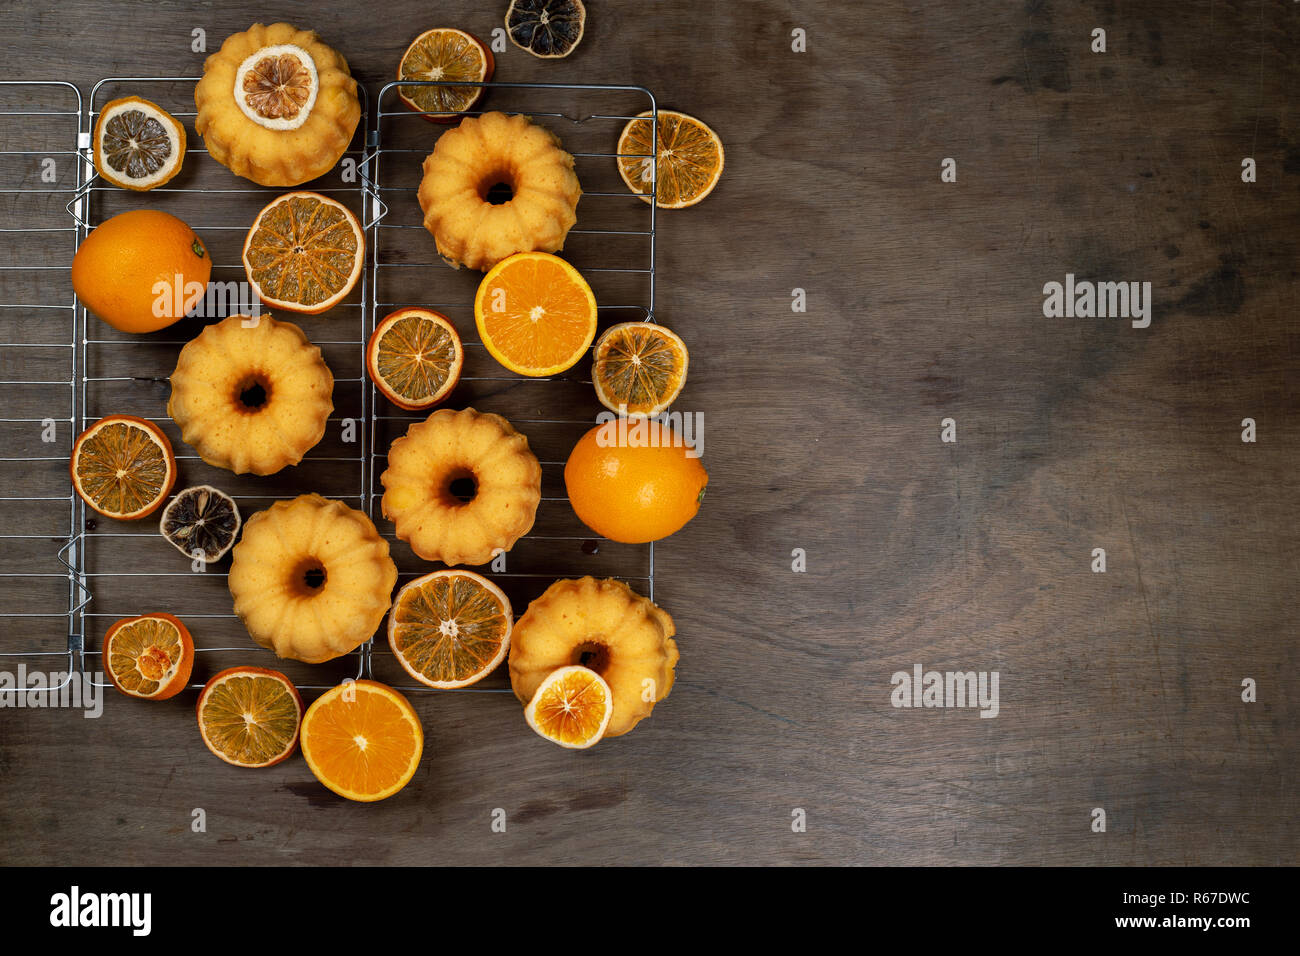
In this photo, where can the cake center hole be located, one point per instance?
(253, 394)
(498, 188)
(463, 488)
(593, 655)
(313, 577)
(498, 194)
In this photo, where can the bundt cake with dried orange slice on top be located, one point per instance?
(606, 627)
(276, 105)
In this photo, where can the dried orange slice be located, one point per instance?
(123, 467)
(363, 740)
(447, 55)
(138, 144)
(689, 165)
(572, 707)
(414, 357)
(249, 716)
(535, 314)
(639, 368)
(304, 253)
(450, 628)
(149, 656)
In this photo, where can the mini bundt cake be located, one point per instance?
(455, 445)
(251, 394)
(487, 151)
(276, 105)
(607, 627)
(311, 578)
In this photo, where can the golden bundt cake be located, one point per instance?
(311, 578)
(448, 446)
(276, 105)
(251, 394)
(603, 625)
(475, 156)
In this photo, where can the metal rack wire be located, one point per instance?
(613, 247)
(40, 131)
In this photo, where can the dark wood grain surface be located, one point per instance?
(1119, 691)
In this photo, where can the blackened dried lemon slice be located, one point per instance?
(138, 144)
(202, 522)
(549, 29)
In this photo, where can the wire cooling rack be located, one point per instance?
(612, 245)
(69, 572)
(40, 126)
(122, 563)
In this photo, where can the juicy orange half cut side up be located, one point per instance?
(362, 740)
(150, 656)
(123, 467)
(414, 357)
(571, 708)
(535, 314)
(639, 368)
(304, 253)
(450, 628)
(447, 55)
(249, 716)
(689, 161)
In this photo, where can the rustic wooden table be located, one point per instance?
(1120, 690)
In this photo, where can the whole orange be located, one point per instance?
(635, 481)
(141, 270)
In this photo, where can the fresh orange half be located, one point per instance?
(535, 314)
(450, 628)
(123, 467)
(304, 253)
(249, 716)
(572, 707)
(639, 368)
(149, 656)
(690, 159)
(414, 357)
(363, 740)
(448, 55)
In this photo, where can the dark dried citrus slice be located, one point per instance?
(138, 144)
(549, 29)
(304, 253)
(123, 467)
(202, 522)
(639, 368)
(450, 628)
(250, 716)
(414, 357)
(447, 55)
